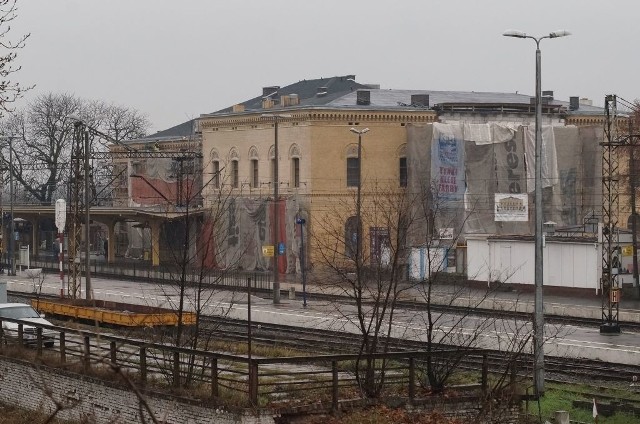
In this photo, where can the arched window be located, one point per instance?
(403, 170)
(215, 168)
(272, 160)
(253, 157)
(353, 166)
(294, 155)
(234, 160)
(235, 179)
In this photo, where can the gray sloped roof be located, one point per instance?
(306, 90)
(341, 93)
(184, 130)
(395, 98)
(392, 98)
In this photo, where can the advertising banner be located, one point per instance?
(511, 207)
(447, 162)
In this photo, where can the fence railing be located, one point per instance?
(256, 382)
(141, 271)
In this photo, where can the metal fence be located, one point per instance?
(224, 378)
(140, 271)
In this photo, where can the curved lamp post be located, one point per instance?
(538, 331)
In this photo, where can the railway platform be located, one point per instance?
(568, 304)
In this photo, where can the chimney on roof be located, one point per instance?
(268, 103)
(363, 97)
(421, 100)
(238, 108)
(545, 100)
(270, 91)
(585, 101)
(350, 77)
(574, 103)
(289, 100)
(548, 93)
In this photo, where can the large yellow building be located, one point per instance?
(315, 125)
(317, 154)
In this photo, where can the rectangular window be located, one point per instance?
(216, 174)
(234, 174)
(403, 172)
(254, 173)
(295, 170)
(353, 172)
(138, 168)
(379, 246)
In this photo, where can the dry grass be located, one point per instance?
(382, 415)
(10, 414)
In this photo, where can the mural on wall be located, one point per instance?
(248, 228)
(245, 235)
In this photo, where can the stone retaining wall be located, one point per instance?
(31, 387)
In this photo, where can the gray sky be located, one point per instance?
(174, 60)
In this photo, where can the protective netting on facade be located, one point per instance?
(465, 165)
(247, 228)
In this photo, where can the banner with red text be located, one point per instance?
(447, 162)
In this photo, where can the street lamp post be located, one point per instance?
(11, 246)
(301, 221)
(538, 331)
(276, 217)
(359, 195)
(87, 217)
(12, 225)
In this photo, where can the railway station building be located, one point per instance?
(337, 144)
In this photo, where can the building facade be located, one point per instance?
(320, 173)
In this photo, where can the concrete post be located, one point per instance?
(155, 242)
(561, 417)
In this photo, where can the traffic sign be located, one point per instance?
(281, 248)
(61, 214)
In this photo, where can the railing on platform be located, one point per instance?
(141, 271)
(256, 382)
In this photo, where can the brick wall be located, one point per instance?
(31, 387)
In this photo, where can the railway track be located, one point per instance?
(569, 370)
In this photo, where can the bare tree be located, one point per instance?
(374, 278)
(9, 91)
(42, 145)
(43, 138)
(122, 123)
(191, 242)
(371, 277)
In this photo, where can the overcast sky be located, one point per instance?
(174, 60)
